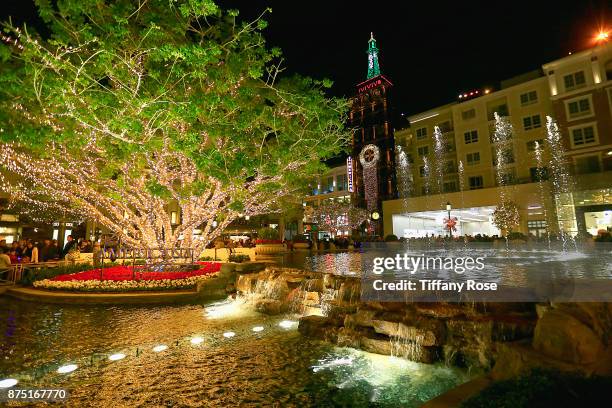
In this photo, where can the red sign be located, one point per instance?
(369, 85)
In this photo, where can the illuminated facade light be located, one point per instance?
(229, 335)
(197, 340)
(160, 348)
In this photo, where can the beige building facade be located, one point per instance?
(451, 154)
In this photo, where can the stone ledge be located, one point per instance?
(456, 396)
(46, 296)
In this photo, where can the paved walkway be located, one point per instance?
(38, 295)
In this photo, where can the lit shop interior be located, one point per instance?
(470, 221)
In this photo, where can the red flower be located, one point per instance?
(121, 273)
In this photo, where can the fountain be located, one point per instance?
(540, 178)
(439, 157)
(562, 184)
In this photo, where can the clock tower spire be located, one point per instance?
(373, 68)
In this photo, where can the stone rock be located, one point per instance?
(519, 357)
(564, 337)
(385, 327)
(245, 283)
(349, 338)
(318, 327)
(362, 317)
(423, 337)
(378, 346)
(270, 306)
(403, 349)
(292, 278)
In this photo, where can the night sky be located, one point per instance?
(430, 50)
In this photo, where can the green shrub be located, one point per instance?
(267, 233)
(31, 275)
(391, 238)
(238, 258)
(544, 388)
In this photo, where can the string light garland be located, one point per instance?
(369, 157)
(335, 216)
(118, 126)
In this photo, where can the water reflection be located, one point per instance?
(110, 353)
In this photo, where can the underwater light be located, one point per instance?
(115, 357)
(8, 383)
(197, 340)
(286, 324)
(258, 329)
(67, 368)
(159, 348)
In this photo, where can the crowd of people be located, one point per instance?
(27, 251)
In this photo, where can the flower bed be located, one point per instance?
(128, 278)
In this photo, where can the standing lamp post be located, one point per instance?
(448, 209)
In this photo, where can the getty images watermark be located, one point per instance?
(403, 263)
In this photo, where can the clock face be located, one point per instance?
(369, 155)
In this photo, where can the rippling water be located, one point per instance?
(272, 367)
(513, 266)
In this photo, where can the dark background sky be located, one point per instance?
(431, 50)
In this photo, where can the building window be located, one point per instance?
(449, 146)
(531, 145)
(475, 182)
(468, 114)
(473, 158)
(450, 186)
(470, 137)
(445, 126)
(329, 185)
(578, 107)
(341, 182)
(173, 218)
(423, 151)
(536, 224)
(506, 178)
(575, 80)
(506, 155)
(583, 136)
(501, 109)
(532, 122)
(421, 133)
(588, 164)
(538, 174)
(529, 98)
(449, 167)
(423, 171)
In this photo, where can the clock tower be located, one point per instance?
(372, 147)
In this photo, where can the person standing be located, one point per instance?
(70, 244)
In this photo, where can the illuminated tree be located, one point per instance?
(506, 216)
(334, 216)
(129, 106)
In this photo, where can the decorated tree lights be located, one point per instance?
(115, 120)
(506, 217)
(338, 217)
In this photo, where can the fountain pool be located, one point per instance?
(265, 362)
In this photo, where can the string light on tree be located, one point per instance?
(115, 124)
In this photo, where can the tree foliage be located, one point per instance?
(130, 105)
(506, 216)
